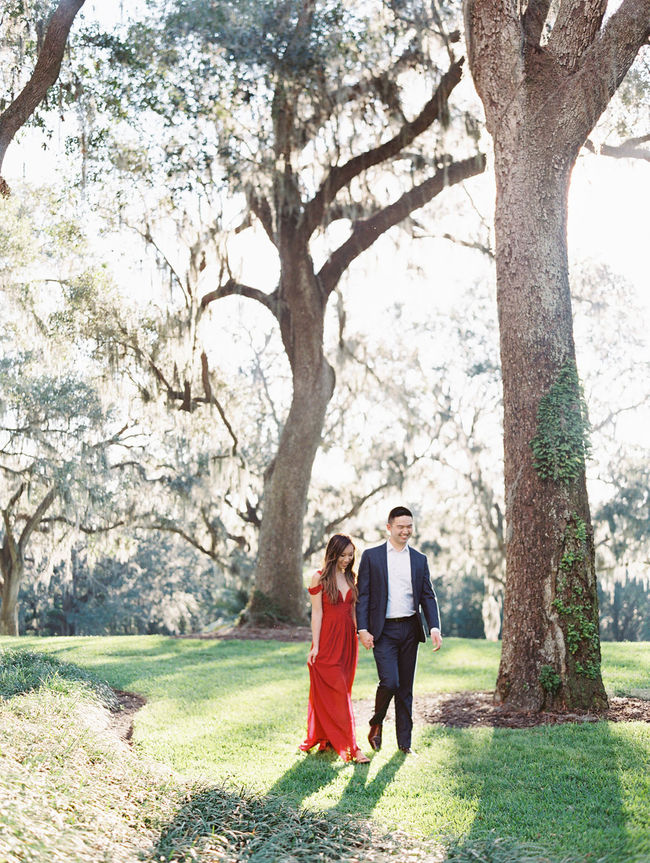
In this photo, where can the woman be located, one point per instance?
(332, 659)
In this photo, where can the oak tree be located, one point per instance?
(545, 77)
(311, 113)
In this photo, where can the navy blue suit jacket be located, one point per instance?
(372, 582)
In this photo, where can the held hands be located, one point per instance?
(366, 639)
(311, 656)
(436, 639)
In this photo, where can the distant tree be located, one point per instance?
(544, 82)
(625, 609)
(58, 436)
(143, 584)
(301, 109)
(625, 513)
(461, 605)
(53, 466)
(48, 32)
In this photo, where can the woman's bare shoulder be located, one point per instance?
(315, 579)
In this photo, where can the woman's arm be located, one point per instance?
(316, 618)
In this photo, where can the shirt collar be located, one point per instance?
(391, 548)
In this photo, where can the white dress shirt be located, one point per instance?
(400, 588)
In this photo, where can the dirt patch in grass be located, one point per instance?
(471, 709)
(122, 718)
(476, 709)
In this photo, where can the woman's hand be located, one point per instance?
(311, 657)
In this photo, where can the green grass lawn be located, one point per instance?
(235, 711)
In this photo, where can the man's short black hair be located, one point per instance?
(396, 511)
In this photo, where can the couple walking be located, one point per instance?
(383, 607)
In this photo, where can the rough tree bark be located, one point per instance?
(12, 558)
(46, 72)
(541, 101)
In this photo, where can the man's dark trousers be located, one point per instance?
(396, 653)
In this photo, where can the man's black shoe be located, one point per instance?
(374, 737)
(406, 750)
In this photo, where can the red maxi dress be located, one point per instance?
(329, 713)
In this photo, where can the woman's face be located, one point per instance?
(345, 559)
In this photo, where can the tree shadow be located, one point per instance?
(550, 790)
(275, 826)
(221, 824)
(229, 661)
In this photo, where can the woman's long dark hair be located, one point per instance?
(335, 548)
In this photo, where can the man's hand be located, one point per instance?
(366, 639)
(436, 639)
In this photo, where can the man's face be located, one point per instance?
(400, 529)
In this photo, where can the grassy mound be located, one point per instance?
(70, 789)
(72, 792)
(24, 671)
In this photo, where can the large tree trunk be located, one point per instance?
(551, 649)
(279, 590)
(12, 572)
(543, 86)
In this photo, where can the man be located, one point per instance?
(394, 583)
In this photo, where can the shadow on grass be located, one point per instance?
(307, 776)
(313, 772)
(216, 823)
(362, 794)
(242, 826)
(552, 793)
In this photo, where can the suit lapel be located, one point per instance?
(413, 560)
(382, 552)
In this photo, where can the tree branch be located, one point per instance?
(172, 528)
(44, 75)
(316, 543)
(498, 73)
(626, 150)
(615, 413)
(608, 59)
(251, 516)
(382, 85)
(232, 288)
(212, 399)
(534, 18)
(35, 519)
(261, 209)
(341, 176)
(574, 30)
(366, 232)
(147, 236)
(90, 531)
